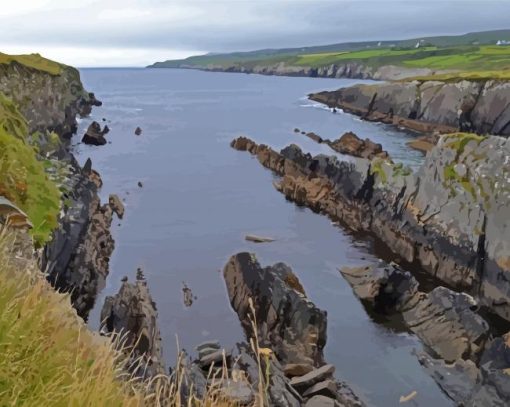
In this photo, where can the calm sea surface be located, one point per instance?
(200, 198)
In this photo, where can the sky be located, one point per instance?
(104, 33)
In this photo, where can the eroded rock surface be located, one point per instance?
(133, 312)
(451, 217)
(479, 106)
(349, 143)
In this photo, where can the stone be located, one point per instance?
(297, 369)
(351, 144)
(214, 358)
(138, 131)
(208, 344)
(206, 351)
(302, 383)
(322, 401)
(259, 239)
(385, 286)
(326, 388)
(116, 205)
(238, 392)
(94, 135)
(140, 185)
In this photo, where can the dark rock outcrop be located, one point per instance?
(95, 135)
(132, 312)
(287, 321)
(479, 106)
(289, 324)
(449, 217)
(76, 260)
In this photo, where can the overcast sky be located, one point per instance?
(139, 32)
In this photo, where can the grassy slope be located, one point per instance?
(48, 357)
(444, 53)
(34, 61)
(23, 177)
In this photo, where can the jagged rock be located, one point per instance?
(326, 388)
(258, 239)
(133, 312)
(297, 369)
(302, 383)
(94, 134)
(445, 321)
(454, 227)
(385, 286)
(351, 144)
(296, 337)
(116, 205)
(138, 131)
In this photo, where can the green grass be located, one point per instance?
(34, 61)
(24, 180)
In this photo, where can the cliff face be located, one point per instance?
(48, 101)
(481, 107)
(352, 70)
(451, 217)
(49, 96)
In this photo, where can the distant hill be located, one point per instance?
(288, 55)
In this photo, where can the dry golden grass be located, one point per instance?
(49, 357)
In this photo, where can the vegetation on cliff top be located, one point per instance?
(24, 180)
(34, 61)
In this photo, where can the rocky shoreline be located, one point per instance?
(350, 70)
(413, 218)
(429, 106)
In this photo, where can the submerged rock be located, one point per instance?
(259, 239)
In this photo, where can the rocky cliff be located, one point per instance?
(50, 96)
(450, 218)
(426, 106)
(354, 70)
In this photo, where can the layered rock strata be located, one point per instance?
(427, 106)
(450, 217)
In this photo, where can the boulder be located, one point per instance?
(297, 369)
(385, 286)
(94, 135)
(351, 144)
(302, 383)
(116, 205)
(138, 131)
(326, 388)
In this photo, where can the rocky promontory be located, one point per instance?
(449, 217)
(428, 106)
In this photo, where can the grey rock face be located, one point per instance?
(133, 312)
(446, 322)
(308, 380)
(455, 226)
(424, 106)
